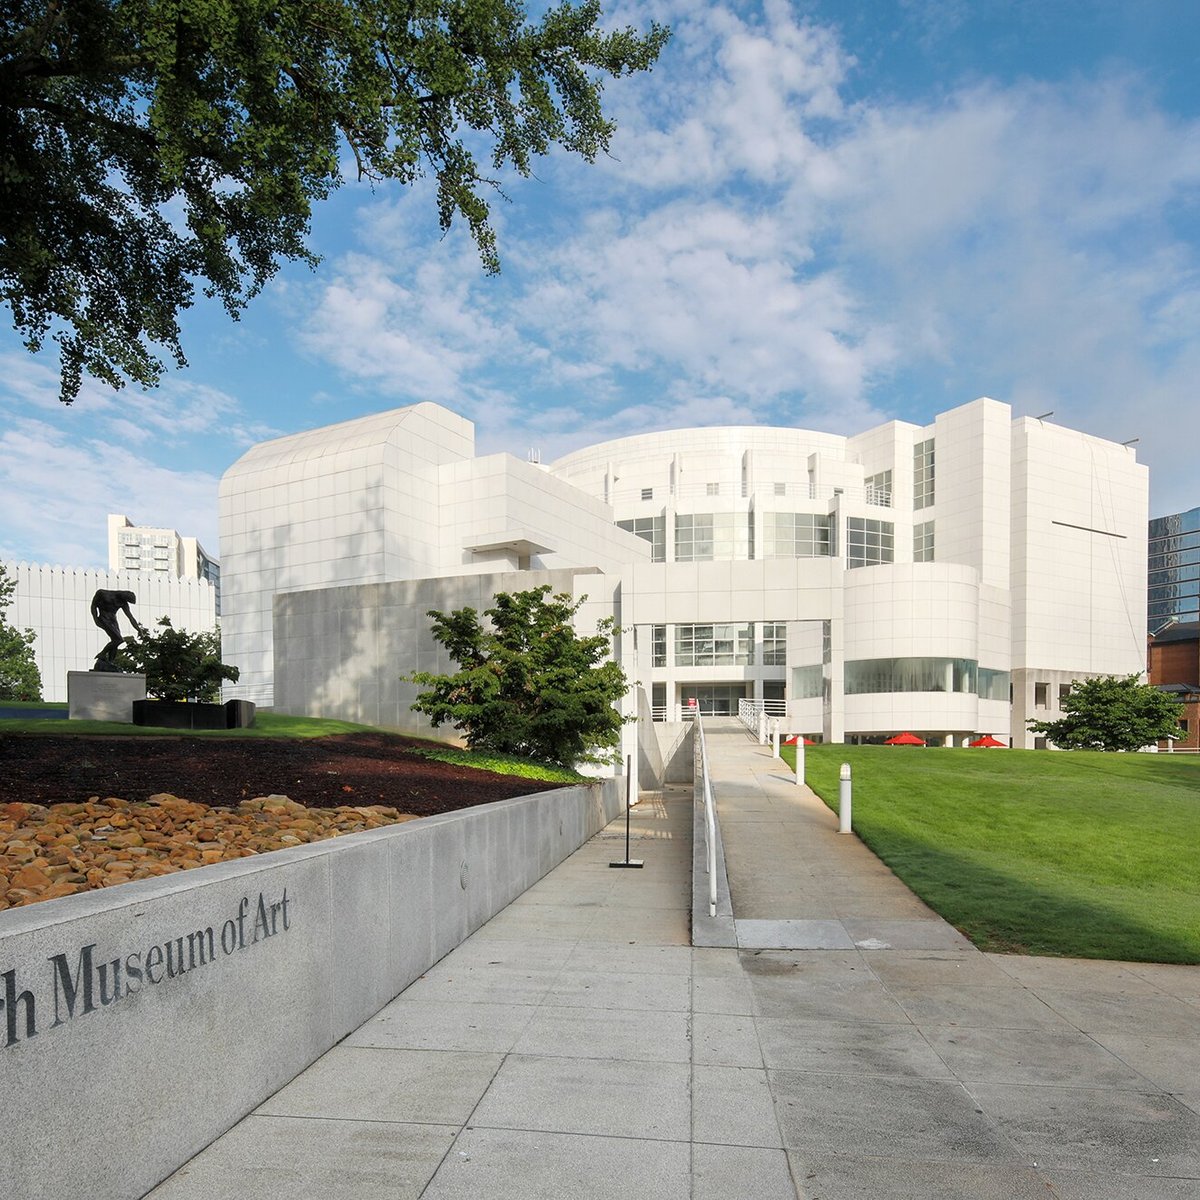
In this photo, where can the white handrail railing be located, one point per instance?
(710, 819)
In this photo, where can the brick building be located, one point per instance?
(1174, 665)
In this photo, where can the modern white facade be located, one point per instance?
(390, 497)
(900, 579)
(55, 602)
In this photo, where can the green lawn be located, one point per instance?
(279, 725)
(1082, 854)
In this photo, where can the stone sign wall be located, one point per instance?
(138, 1023)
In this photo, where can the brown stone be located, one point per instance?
(30, 877)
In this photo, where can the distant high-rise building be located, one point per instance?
(1174, 571)
(146, 548)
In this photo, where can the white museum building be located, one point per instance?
(949, 579)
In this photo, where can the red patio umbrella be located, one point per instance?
(988, 740)
(795, 738)
(904, 739)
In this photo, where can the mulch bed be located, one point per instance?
(325, 772)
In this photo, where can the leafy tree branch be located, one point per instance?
(238, 111)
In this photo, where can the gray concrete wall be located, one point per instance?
(139, 1023)
(650, 772)
(341, 651)
(675, 750)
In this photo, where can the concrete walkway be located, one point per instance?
(578, 1046)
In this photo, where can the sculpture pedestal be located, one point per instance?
(103, 695)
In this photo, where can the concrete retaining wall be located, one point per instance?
(139, 1023)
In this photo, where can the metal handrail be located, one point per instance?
(710, 819)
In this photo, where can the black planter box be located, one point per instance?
(178, 714)
(239, 714)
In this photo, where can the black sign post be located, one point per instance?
(629, 862)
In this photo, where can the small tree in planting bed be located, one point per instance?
(528, 684)
(179, 665)
(1112, 713)
(20, 678)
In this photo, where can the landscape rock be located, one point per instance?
(47, 851)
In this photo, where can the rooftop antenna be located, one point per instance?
(1044, 415)
(1131, 441)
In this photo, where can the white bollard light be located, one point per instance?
(762, 728)
(844, 799)
(774, 739)
(799, 760)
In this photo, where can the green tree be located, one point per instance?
(148, 144)
(20, 678)
(1112, 713)
(178, 665)
(528, 683)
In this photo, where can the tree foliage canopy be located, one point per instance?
(148, 144)
(1112, 713)
(20, 678)
(527, 683)
(178, 665)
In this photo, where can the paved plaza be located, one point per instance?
(854, 1046)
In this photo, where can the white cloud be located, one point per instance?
(413, 330)
(59, 489)
(760, 239)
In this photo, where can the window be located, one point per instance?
(806, 682)
(797, 535)
(1064, 690)
(871, 675)
(714, 645)
(648, 493)
(869, 542)
(712, 489)
(653, 530)
(923, 542)
(879, 489)
(781, 489)
(1041, 696)
(715, 699)
(774, 644)
(923, 474)
(709, 537)
(994, 685)
(658, 645)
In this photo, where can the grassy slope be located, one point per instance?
(268, 724)
(1082, 854)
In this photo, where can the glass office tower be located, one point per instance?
(1174, 571)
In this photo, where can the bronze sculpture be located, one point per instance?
(106, 604)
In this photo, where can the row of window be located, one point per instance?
(722, 537)
(870, 676)
(714, 537)
(923, 463)
(878, 487)
(720, 645)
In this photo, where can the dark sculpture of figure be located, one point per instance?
(106, 605)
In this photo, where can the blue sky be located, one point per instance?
(817, 214)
